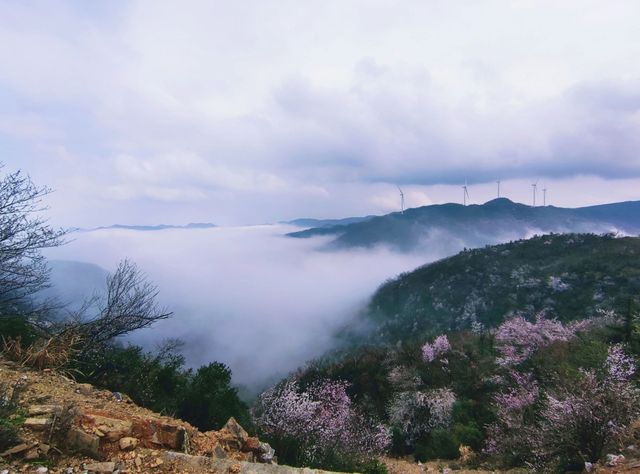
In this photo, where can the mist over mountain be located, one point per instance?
(192, 225)
(309, 222)
(290, 297)
(73, 282)
(231, 288)
(477, 225)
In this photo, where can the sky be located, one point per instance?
(153, 111)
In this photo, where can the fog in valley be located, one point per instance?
(249, 297)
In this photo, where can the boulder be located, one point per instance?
(232, 435)
(128, 444)
(37, 424)
(84, 443)
(84, 389)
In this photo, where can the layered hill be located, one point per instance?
(567, 276)
(476, 225)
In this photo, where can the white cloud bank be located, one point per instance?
(262, 303)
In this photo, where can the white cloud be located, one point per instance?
(264, 109)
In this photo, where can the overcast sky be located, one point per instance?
(150, 111)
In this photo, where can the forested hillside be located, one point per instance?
(564, 276)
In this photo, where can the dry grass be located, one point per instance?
(52, 353)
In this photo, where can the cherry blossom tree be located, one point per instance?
(418, 412)
(518, 339)
(322, 419)
(436, 349)
(586, 417)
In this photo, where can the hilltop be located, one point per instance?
(476, 225)
(567, 276)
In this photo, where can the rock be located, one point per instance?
(37, 424)
(588, 467)
(266, 454)
(199, 463)
(218, 452)
(235, 429)
(16, 450)
(84, 389)
(101, 467)
(35, 410)
(41, 470)
(111, 428)
(84, 443)
(32, 454)
(262, 452)
(251, 444)
(614, 459)
(233, 435)
(127, 443)
(167, 435)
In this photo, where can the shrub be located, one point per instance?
(8, 434)
(440, 444)
(209, 400)
(373, 466)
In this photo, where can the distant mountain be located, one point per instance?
(476, 225)
(315, 223)
(565, 276)
(72, 282)
(193, 225)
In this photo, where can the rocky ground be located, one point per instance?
(67, 427)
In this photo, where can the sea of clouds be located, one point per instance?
(249, 297)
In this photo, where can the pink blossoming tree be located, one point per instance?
(321, 420)
(518, 339)
(587, 417)
(436, 349)
(418, 412)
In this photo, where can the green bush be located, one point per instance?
(468, 435)
(440, 444)
(16, 326)
(209, 400)
(8, 435)
(160, 382)
(373, 466)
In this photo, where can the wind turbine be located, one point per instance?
(498, 187)
(401, 200)
(535, 190)
(465, 194)
(544, 197)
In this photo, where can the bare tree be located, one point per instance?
(24, 233)
(129, 304)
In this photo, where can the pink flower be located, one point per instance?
(436, 349)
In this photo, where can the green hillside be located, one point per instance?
(566, 276)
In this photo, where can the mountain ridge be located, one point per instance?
(478, 224)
